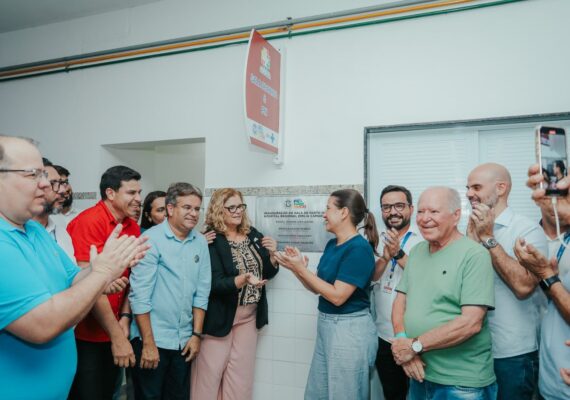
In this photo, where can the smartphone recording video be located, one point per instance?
(552, 157)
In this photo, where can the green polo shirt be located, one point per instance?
(437, 286)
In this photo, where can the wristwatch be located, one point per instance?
(197, 334)
(547, 283)
(399, 255)
(126, 315)
(417, 346)
(490, 243)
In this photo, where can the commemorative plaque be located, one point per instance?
(294, 221)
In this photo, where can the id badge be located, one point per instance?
(387, 286)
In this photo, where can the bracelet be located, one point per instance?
(197, 334)
(128, 315)
(401, 335)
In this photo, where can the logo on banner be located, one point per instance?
(296, 203)
(265, 67)
(299, 203)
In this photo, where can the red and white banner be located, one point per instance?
(262, 93)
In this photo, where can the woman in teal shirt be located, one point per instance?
(346, 342)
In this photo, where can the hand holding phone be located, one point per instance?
(552, 156)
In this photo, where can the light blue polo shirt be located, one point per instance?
(173, 277)
(515, 323)
(554, 354)
(33, 268)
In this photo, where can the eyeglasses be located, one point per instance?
(397, 206)
(236, 208)
(189, 209)
(64, 182)
(36, 174)
(55, 184)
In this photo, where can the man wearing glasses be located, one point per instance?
(54, 201)
(67, 212)
(397, 209)
(42, 292)
(169, 297)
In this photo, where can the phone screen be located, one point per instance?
(553, 157)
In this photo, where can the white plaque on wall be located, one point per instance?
(294, 221)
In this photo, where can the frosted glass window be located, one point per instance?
(419, 158)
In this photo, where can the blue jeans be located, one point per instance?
(427, 390)
(344, 356)
(517, 376)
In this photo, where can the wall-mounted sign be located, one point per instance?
(262, 93)
(294, 221)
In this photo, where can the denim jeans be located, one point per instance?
(427, 390)
(517, 376)
(344, 355)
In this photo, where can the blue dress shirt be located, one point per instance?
(173, 277)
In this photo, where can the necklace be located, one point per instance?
(338, 242)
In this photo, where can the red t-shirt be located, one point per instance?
(93, 226)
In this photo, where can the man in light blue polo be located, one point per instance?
(515, 322)
(43, 294)
(169, 297)
(554, 277)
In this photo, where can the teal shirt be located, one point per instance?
(33, 268)
(437, 285)
(351, 262)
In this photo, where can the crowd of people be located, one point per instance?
(441, 314)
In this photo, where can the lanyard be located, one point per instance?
(402, 244)
(562, 248)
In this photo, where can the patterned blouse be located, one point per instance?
(246, 259)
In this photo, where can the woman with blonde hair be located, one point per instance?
(242, 262)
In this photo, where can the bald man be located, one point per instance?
(43, 294)
(515, 322)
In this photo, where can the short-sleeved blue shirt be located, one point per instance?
(351, 262)
(33, 268)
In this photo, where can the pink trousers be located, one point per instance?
(225, 366)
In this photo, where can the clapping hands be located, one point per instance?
(292, 259)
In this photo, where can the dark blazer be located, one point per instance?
(223, 301)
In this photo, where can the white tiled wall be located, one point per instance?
(285, 346)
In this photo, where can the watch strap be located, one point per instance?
(126, 315)
(545, 284)
(399, 255)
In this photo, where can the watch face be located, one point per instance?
(417, 346)
(490, 243)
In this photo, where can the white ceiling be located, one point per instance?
(20, 14)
